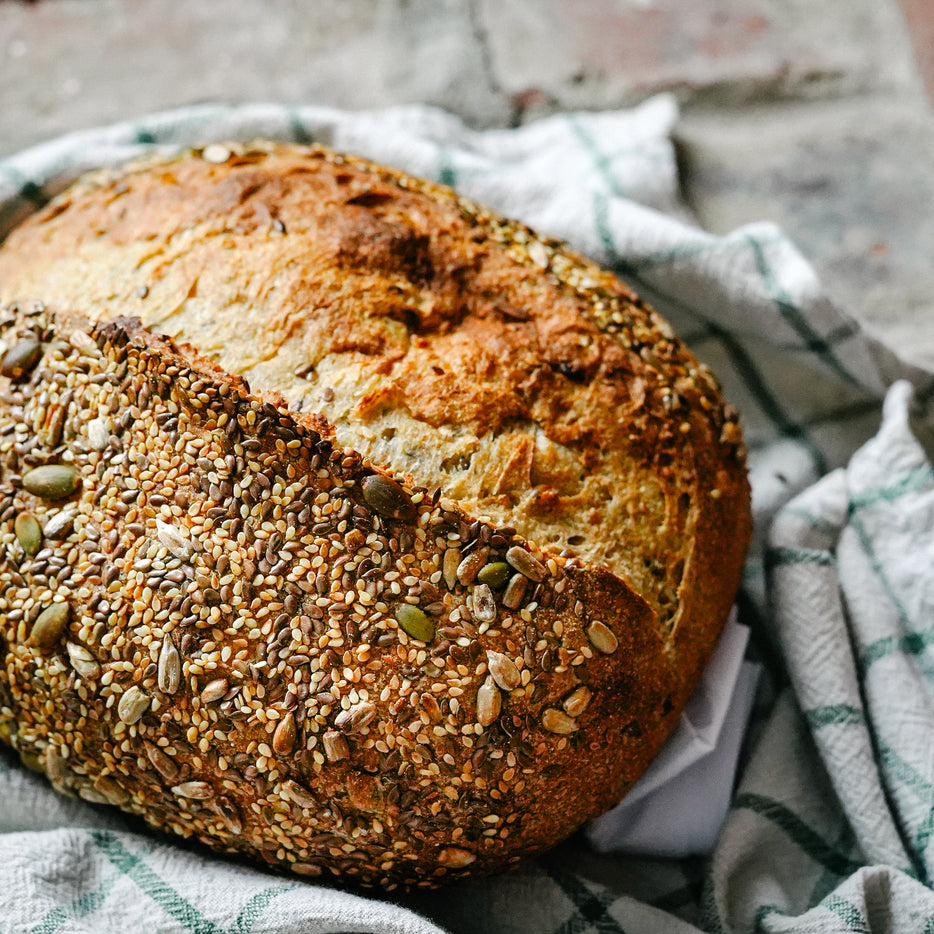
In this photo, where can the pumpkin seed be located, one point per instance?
(494, 575)
(49, 626)
(53, 481)
(28, 532)
(388, 498)
(415, 622)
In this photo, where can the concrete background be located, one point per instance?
(812, 114)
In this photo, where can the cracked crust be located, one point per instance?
(379, 320)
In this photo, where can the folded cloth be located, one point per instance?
(677, 807)
(830, 826)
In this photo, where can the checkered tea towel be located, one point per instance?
(831, 825)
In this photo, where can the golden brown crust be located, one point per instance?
(585, 424)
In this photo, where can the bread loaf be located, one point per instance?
(344, 523)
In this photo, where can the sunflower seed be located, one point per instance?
(113, 792)
(449, 564)
(484, 604)
(214, 691)
(99, 433)
(48, 628)
(489, 703)
(576, 702)
(525, 563)
(53, 481)
(602, 637)
(169, 672)
(60, 525)
(196, 791)
(503, 670)
(83, 342)
(512, 598)
(298, 793)
(468, 569)
(557, 721)
(335, 746)
(177, 543)
(453, 857)
(83, 661)
(162, 763)
(355, 717)
(132, 705)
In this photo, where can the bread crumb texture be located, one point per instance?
(389, 541)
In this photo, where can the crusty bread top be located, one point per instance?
(545, 410)
(531, 386)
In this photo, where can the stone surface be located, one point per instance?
(810, 114)
(850, 181)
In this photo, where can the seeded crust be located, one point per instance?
(424, 599)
